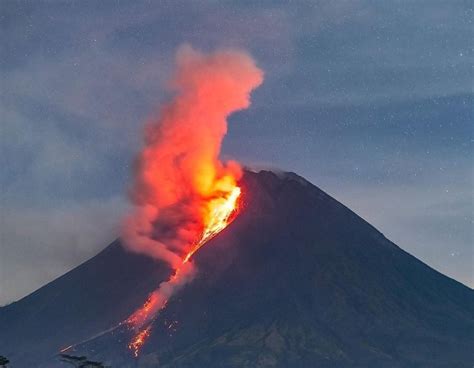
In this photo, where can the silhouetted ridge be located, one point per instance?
(297, 280)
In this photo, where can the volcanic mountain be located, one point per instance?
(297, 280)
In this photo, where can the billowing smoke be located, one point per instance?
(179, 178)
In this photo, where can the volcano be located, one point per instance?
(296, 280)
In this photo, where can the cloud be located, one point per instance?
(39, 245)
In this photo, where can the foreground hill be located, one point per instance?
(297, 280)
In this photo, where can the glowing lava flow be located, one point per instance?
(221, 212)
(139, 340)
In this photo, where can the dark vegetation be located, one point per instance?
(79, 361)
(3, 361)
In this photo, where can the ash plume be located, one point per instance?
(178, 174)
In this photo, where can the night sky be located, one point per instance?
(372, 101)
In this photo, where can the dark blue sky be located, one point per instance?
(370, 100)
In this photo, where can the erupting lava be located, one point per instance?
(183, 194)
(138, 341)
(222, 211)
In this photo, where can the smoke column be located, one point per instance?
(178, 178)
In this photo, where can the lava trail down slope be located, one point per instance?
(296, 280)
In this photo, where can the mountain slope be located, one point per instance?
(297, 280)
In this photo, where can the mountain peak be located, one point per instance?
(296, 280)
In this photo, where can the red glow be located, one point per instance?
(222, 211)
(219, 215)
(183, 194)
(138, 341)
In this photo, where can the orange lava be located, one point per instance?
(144, 311)
(138, 340)
(220, 215)
(221, 212)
